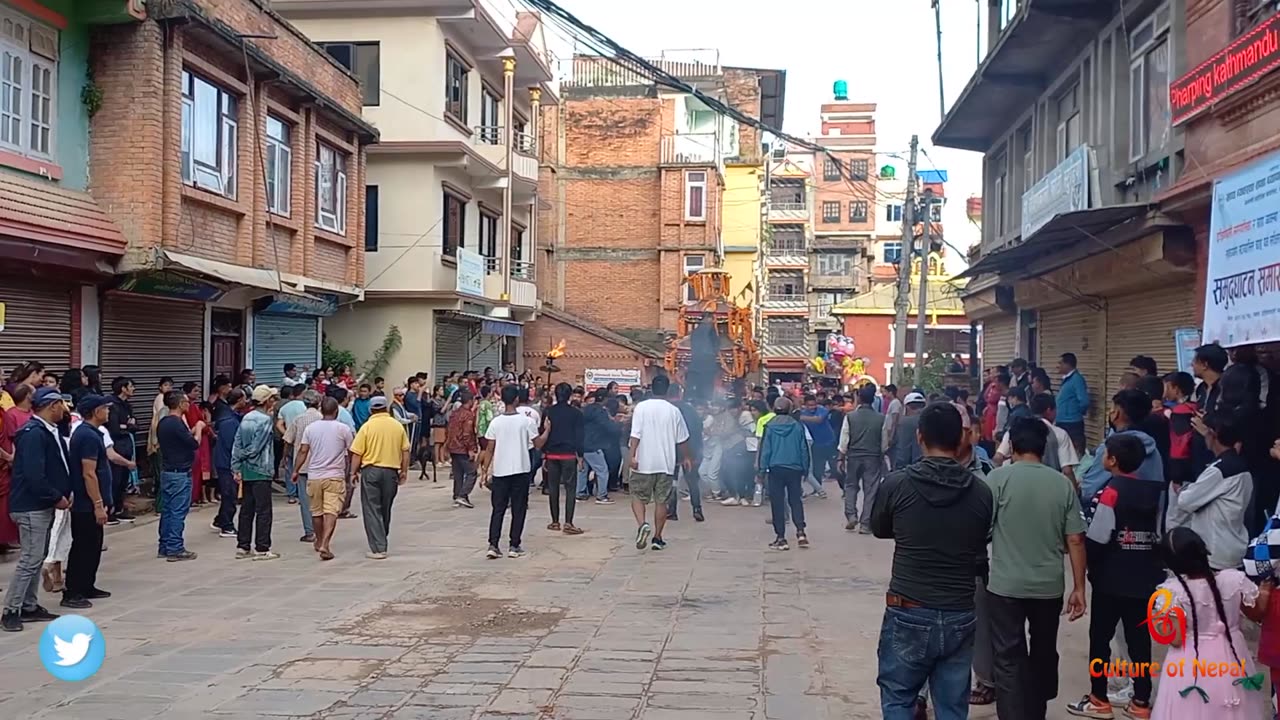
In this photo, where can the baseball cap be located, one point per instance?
(378, 402)
(913, 398)
(47, 396)
(263, 393)
(89, 403)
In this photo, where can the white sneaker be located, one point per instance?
(268, 555)
(376, 555)
(729, 501)
(744, 502)
(1119, 691)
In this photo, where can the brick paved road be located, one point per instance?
(586, 628)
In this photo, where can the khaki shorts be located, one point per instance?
(326, 496)
(651, 487)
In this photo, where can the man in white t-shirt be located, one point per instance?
(505, 466)
(1060, 453)
(658, 433)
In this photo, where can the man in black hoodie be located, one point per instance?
(939, 516)
(561, 454)
(690, 476)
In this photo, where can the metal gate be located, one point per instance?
(147, 339)
(999, 340)
(280, 339)
(452, 343)
(485, 351)
(1081, 329)
(1142, 323)
(37, 325)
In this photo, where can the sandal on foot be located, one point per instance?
(572, 530)
(982, 695)
(553, 526)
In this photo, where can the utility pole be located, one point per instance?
(902, 303)
(937, 24)
(922, 315)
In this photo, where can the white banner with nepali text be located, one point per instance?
(1242, 290)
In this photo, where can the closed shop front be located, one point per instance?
(999, 340)
(286, 329)
(147, 338)
(485, 351)
(453, 342)
(36, 324)
(1143, 323)
(1079, 328)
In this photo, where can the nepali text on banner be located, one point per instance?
(1242, 296)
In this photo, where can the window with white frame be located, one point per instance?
(997, 214)
(28, 85)
(692, 264)
(893, 212)
(831, 169)
(935, 211)
(1149, 114)
(1027, 139)
(209, 135)
(892, 251)
(695, 195)
(1069, 121)
(331, 188)
(836, 265)
(857, 211)
(279, 166)
(831, 211)
(858, 169)
(489, 239)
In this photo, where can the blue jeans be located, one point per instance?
(290, 488)
(919, 645)
(304, 504)
(175, 492)
(595, 462)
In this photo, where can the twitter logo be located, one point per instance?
(72, 648)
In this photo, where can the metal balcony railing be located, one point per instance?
(787, 206)
(496, 135)
(784, 297)
(690, 149)
(492, 264)
(522, 270)
(785, 250)
(525, 143)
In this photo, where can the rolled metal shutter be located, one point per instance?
(485, 351)
(452, 343)
(37, 325)
(999, 340)
(280, 339)
(1080, 329)
(147, 339)
(1142, 323)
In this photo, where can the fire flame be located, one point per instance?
(557, 351)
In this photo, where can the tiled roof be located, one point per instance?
(40, 210)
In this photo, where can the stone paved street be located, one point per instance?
(586, 628)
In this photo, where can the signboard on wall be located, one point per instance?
(470, 272)
(626, 379)
(1242, 294)
(1243, 62)
(1064, 189)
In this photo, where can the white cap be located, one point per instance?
(914, 397)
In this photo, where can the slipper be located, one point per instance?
(553, 526)
(573, 530)
(326, 555)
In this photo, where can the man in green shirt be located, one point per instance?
(1037, 521)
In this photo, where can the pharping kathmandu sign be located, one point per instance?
(1248, 58)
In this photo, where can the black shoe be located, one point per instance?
(96, 594)
(125, 517)
(75, 603)
(309, 537)
(697, 515)
(39, 614)
(11, 622)
(113, 521)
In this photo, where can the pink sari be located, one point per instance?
(10, 423)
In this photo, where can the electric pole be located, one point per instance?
(902, 303)
(922, 315)
(937, 23)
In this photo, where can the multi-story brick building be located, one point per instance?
(455, 89)
(637, 201)
(224, 153)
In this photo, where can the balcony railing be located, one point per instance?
(492, 264)
(690, 149)
(522, 270)
(788, 206)
(787, 250)
(784, 297)
(496, 135)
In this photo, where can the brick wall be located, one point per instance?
(742, 89)
(583, 350)
(136, 136)
(845, 191)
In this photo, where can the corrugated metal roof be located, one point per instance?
(39, 210)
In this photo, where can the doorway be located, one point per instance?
(226, 330)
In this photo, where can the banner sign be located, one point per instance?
(1185, 342)
(1242, 294)
(1064, 189)
(626, 379)
(1241, 63)
(169, 284)
(307, 305)
(470, 272)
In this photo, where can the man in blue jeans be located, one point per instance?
(178, 444)
(599, 431)
(939, 516)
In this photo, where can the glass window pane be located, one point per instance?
(1157, 97)
(205, 124)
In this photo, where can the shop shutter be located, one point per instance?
(37, 325)
(999, 340)
(280, 339)
(1081, 329)
(452, 343)
(1142, 324)
(486, 351)
(147, 339)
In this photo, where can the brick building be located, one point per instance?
(636, 200)
(244, 203)
(587, 346)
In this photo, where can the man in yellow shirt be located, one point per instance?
(380, 458)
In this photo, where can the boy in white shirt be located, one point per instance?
(505, 466)
(658, 434)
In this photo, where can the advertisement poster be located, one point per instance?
(1242, 295)
(470, 272)
(626, 379)
(1185, 342)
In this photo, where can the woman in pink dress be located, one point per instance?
(1211, 604)
(11, 421)
(203, 464)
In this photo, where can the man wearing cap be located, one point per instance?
(380, 456)
(293, 446)
(904, 449)
(90, 476)
(41, 483)
(178, 444)
(253, 460)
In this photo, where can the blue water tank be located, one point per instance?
(841, 90)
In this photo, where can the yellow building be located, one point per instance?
(740, 230)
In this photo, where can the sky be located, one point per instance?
(885, 49)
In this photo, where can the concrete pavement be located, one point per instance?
(717, 627)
